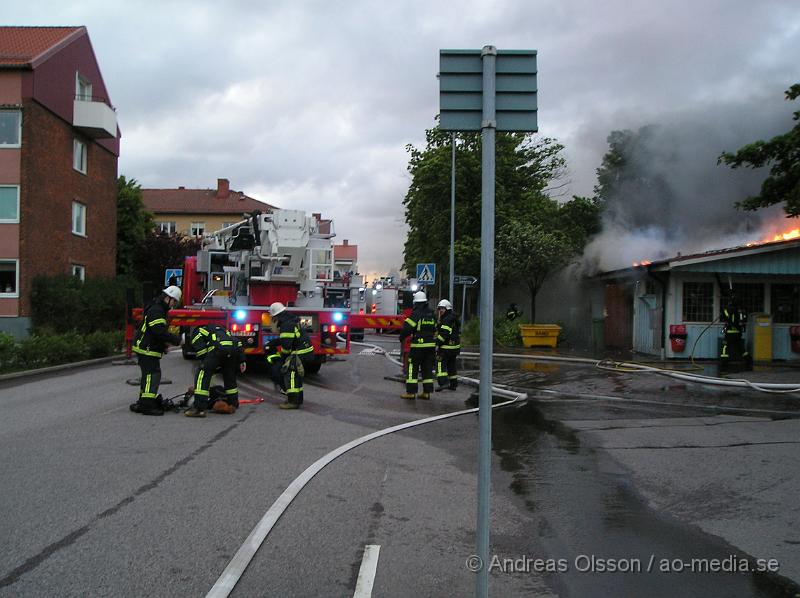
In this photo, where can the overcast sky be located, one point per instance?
(310, 104)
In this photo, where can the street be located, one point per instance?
(604, 484)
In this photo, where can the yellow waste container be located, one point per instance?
(539, 335)
(762, 337)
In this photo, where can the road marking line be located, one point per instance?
(366, 574)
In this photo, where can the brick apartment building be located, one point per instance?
(59, 144)
(192, 212)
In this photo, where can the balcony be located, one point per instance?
(94, 118)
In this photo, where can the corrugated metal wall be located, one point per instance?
(774, 262)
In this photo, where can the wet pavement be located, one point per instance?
(673, 488)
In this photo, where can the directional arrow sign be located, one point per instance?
(468, 280)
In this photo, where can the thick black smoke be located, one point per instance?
(670, 196)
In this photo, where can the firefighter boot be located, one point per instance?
(289, 405)
(198, 409)
(425, 396)
(147, 406)
(223, 407)
(408, 395)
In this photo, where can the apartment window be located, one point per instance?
(9, 203)
(79, 156)
(698, 301)
(9, 278)
(83, 88)
(10, 128)
(747, 296)
(785, 303)
(78, 271)
(166, 227)
(198, 228)
(78, 218)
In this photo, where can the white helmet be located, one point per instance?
(445, 304)
(420, 297)
(276, 308)
(173, 292)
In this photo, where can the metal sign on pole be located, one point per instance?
(488, 91)
(426, 274)
(466, 280)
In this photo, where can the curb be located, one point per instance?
(58, 368)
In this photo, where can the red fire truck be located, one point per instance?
(241, 269)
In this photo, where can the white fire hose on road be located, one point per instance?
(235, 569)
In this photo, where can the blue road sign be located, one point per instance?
(177, 273)
(426, 273)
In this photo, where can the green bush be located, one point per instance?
(471, 332)
(63, 304)
(42, 351)
(8, 352)
(506, 332)
(101, 344)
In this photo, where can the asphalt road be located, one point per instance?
(98, 501)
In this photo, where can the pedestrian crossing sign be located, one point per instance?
(173, 276)
(426, 273)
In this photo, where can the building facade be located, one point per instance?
(59, 145)
(192, 212)
(671, 308)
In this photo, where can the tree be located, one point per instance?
(782, 152)
(536, 235)
(134, 224)
(543, 240)
(525, 166)
(160, 251)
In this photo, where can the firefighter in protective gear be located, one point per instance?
(292, 345)
(448, 345)
(150, 343)
(421, 327)
(734, 321)
(219, 350)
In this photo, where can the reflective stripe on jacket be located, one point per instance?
(448, 333)
(421, 326)
(291, 336)
(153, 334)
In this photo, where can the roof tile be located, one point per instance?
(19, 46)
(200, 201)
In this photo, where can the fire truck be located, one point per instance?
(283, 255)
(385, 305)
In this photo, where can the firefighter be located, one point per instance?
(734, 321)
(292, 345)
(448, 345)
(150, 344)
(512, 313)
(421, 327)
(219, 350)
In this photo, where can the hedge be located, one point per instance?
(62, 304)
(43, 350)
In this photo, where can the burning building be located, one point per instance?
(670, 307)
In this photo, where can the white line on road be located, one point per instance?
(366, 574)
